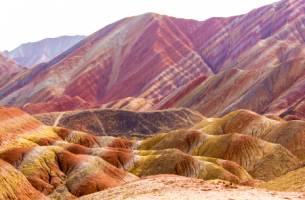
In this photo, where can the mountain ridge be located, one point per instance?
(33, 53)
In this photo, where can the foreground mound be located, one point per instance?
(177, 187)
(289, 134)
(35, 151)
(61, 163)
(263, 160)
(14, 185)
(292, 181)
(173, 161)
(65, 164)
(167, 161)
(122, 122)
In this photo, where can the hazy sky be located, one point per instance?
(31, 20)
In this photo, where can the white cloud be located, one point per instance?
(30, 20)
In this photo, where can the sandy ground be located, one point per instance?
(171, 187)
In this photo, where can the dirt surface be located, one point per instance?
(177, 187)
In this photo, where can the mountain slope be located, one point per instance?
(33, 53)
(253, 61)
(98, 67)
(263, 67)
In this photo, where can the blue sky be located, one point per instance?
(31, 20)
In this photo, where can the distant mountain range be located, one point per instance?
(254, 61)
(8, 69)
(33, 53)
